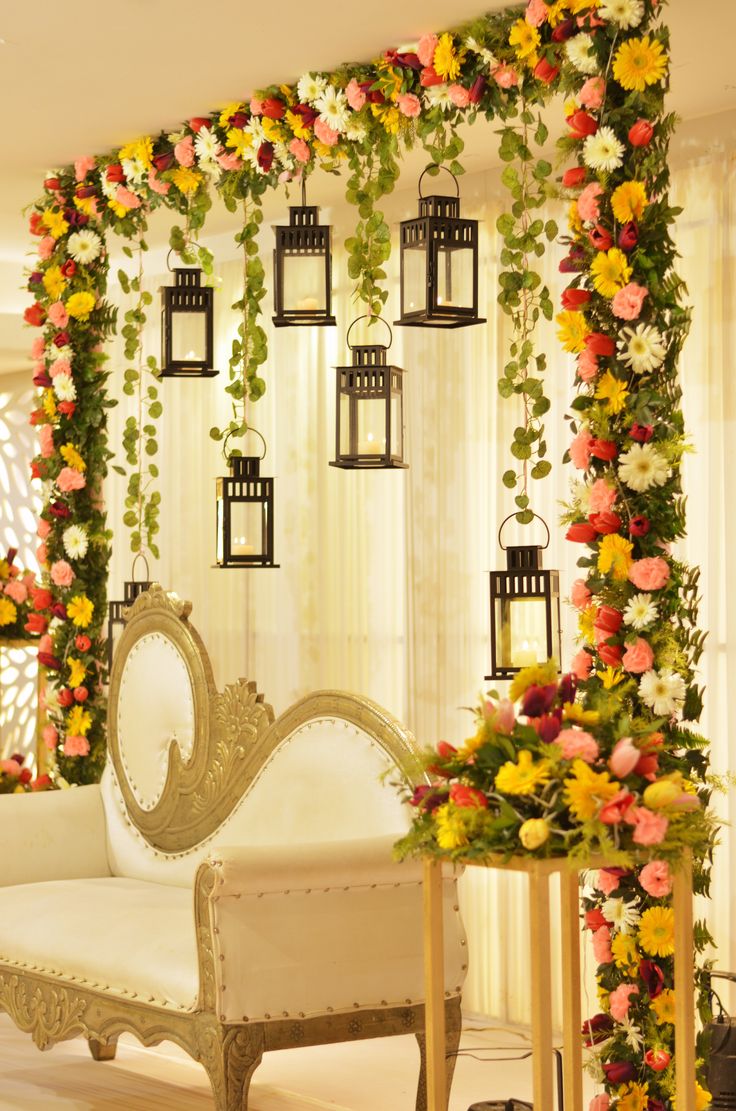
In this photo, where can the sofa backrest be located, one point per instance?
(190, 767)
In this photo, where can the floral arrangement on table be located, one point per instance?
(17, 619)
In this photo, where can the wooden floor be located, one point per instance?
(377, 1075)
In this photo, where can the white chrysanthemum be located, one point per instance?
(75, 542)
(206, 146)
(640, 611)
(109, 188)
(483, 52)
(84, 246)
(642, 467)
(254, 128)
(625, 13)
(283, 155)
(356, 131)
(662, 691)
(66, 352)
(580, 53)
(64, 388)
(623, 916)
(438, 96)
(310, 87)
(333, 108)
(603, 151)
(642, 348)
(135, 170)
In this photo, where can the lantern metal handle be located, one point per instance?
(503, 522)
(140, 555)
(189, 265)
(368, 316)
(258, 434)
(447, 170)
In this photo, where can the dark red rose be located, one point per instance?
(600, 237)
(538, 700)
(238, 119)
(61, 339)
(611, 654)
(594, 919)
(309, 114)
(84, 191)
(568, 685)
(35, 224)
(640, 133)
(409, 60)
(429, 77)
(163, 162)
(67, 407)
(69, 268)
(597, 1028)
(563, 31)
(573, 263)
(619, 1072)
(429, 798)
(548, 727)
(81, 694)
(42, 380)
(26, 775)
(574, 299)
(35, 277)
(582, 532)
(77, 219)
(609, 620)
(82, 643)
(273, 108)
(115, 173)
(477, 89)
(65, 697)
(42, 598)
(639, 526)
(199, 122)
(545, 71)
(654, 1104)
(60, 510)
(600, 344)
(628, 237)
(12, 553)
(642, 433)
(47, 660)
(574, 176)
(36, 624)
(59, 610)
(581, 124)
(265, 156)
(35, 315)
(52, 183)
(606, 522)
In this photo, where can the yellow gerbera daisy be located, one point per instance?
(573, 711)
(8, 612)
(472, 744)
(524, 777)
(610, 677)
(296, 123)
(629, 201)
(55, 222)
(119, 209)
(703, 1098)
(87, 205)
(626, 956)
(446, 61)
(186, 180)
(77, 671)
(140, 150)
(78, 722)
(451, 832)
(80, 305)
(610, 271)
(72, 458)
(612, 390)
(54, 282)
(586, 790)
(574, 7)
(657, 931)
(639, 62)
(572, 330)
(586, 621)
(633, 1097)
(664, 1006)
(240, 141)
(273, 130)
(614, 555)
(229, 110)
(80, 610)
(49, 404)
(524, 38)
(573, 216)
(540, 675)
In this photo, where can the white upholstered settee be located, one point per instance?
(229, 885)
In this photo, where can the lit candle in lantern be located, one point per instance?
(308, 304)
(526, 655)
(371, 446)
(240, 547)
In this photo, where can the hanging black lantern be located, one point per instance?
(439, 264)
(370, 409)
(525, 611)
(187, 331)
(131, 589)
(302, 268)
(245, 515)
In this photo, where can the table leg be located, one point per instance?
(682, 900)
(539, 938)
(434, 986)
(572, 1046)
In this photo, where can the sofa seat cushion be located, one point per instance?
(131, 938)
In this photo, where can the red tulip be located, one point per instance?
(563, 30)
(273, 108)
(608, 619)
(265, 156)
(575, 298)
(52, 184)
(115, 173)
(619, 1072)
(581, 124)
(199, 122)
(163, 162)
(429, 77)
(446, 750)
(600, 344)
(581, 533)
(642, 433)
(65, 697)
(35, 315)
(36, 624)
(594, 919)
(628, 237)
(67, 408)
(600, 237)
(477, 89)
(604, 450)
(640, 133)
(574, 176)
(545, 71)
(35, 224)
(42, 598)
(606, 522)
(611, 654)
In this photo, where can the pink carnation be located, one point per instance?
(602, 945)
(620, 1002)
(577, 743)
(624, 758)
(60, 366)
(355, 95)
(607, 882)
(500, 716)
(229, 160)
(62, 573)
(58, 315)
(601, 496)
(184, 151)
(587, 365)
(536, 12)
(581, 664)
(69, 480)
(656, 879)
(600, 1103)
(580, 449)
(638, 657)
(76, 746)
(426, 48)
(46, 440)
(409, 105)
(38, 348)
(44, 528)
(46, 645)
(127, 199)
(505, 76)
(82, 166)
(10, 768)
(649, 574)
(588, 207)
(46, 247)
(256, 107)
(41, 554)
(580, 595)
(459, 95)
(299, 149)
(17, 591)
(650, 828)
(157, 185)
(626, 304)
(50, 737)
(325, 133)
(592, 92)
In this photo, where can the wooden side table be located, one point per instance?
(20, 642)
(539, 873)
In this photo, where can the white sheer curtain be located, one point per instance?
(382, 587)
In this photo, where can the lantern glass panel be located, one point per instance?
(304, 286)
(247, 529)
(414, 284)
(397, 426)
(371, 426)
(346, 447)
(454, 283)
(521, 632)
(188, 337)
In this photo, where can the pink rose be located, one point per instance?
(44, 528)
(577, 743)
(299, 149)
(602, 945)
(46, 440)
(620, 1002)
(60, 366)
(626, 304)
(409, 105)
(656, 879)
(459, 96)
(600, 1103)
(580, 595)
(581, 664)
(638, 657)
(46, 247)
(325, 133)
(650, 827)
(76, 746)
(588, 207)
(601, 496)
(58, 314)
(157, 185)
(62, 573)
(82, 166)
(50, 737)
(355, 95)
(624, 758)
(127, 199)
(41, 553)
(69, 480)
(16, 590)
(229, 160)
(184, 151)
(426, 48)
(580, 449)
(536, 12)
(587, 365)
(505, 76)
(649, 574)
(256, 108)
(607, 882)
(592, 92)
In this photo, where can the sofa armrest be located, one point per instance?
(305, 930)
(52, 835)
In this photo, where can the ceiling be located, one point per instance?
(77, 78)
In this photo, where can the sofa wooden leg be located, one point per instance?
(453, 1030)
(102, 1051)
(232, 1064)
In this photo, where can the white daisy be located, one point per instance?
(135, 170)
(84, 246)
(623, 916)
(356, 131)
(109, 188)
(64, 388)
(663, 691)
(75, 542)
(206, 146)
(642, 467)
(310, 87)
(626, 13)
(65, 352)
(603, 151)
(438, 96)
(283, 155)
(642, 348)
(254, 128)
(483, 52)
(640, 611)
(333, 108)
(580, 54)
